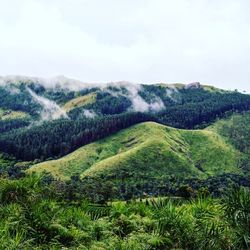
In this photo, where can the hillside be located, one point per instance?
(149, 150)
(48, 118)
(79, 101)
(236, 129)
(48, 99)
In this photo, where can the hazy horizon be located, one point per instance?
(137, 41)
(65, 81)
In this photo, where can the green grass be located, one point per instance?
(236, 130)
(10, 114)
(206, 87)
(211, 153)
(149, 150)
(213, 89)
(80, 101)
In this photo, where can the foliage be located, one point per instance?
(237, 209)
(60, 137)
(33, 215)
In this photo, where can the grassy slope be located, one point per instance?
(10, 114)
(80, 101)
(236, 129)
(149, 149)
(206, 87)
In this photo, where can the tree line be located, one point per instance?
(60, 137)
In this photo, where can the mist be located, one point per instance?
(137, 41)
(51, 110)
(89, 113)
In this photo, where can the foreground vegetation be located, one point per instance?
(35, 215)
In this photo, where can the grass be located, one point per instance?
(211, 153)
(149, 149)
(206, 87)
(80, 101)
(213, 89)
(235, 130)
(10, 114)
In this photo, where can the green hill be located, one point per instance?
(149, 150)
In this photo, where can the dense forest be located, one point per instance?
(59, 137)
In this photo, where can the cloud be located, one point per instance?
(156, 105)
(138, 103)
(89, 113)
(51, 110)
(173, 93)
(57, 82)
(65, 83)
(140, 41)
(13, 90)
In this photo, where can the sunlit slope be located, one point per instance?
(148, 149)
(12, 115)
(80, 101)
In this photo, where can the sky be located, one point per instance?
(142, 41)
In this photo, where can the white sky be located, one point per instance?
(145, 41)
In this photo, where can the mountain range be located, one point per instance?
(124, 133)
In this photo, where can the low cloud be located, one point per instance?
(138, 103)
(89, 113)
(157, 105)
(51, 110)
(173, 93)
(57, 82)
